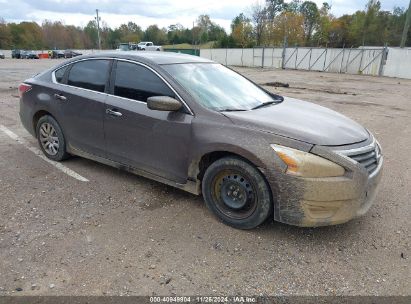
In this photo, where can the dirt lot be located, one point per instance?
(121, 234)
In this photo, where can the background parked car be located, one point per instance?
(16, 54)
(71, 54)
(148, 46)
(23, 54)
(32, 55)
(56, 54)
(2, 55)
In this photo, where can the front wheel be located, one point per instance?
(237, 193)
(51, 138)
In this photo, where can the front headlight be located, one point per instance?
(305, 164)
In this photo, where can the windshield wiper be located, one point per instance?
(231, 110)
(267, 103)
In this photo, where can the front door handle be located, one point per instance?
(60, 97)
(113, 113)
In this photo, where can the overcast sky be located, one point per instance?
(146, 12)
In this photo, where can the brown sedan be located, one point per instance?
(199, 126)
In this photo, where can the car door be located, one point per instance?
(154, 141)
(80, 102)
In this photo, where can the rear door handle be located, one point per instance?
(60, 97)
(113, 113)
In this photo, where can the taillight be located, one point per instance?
(23, 88)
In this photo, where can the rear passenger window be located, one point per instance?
(60, 74)
(137, 82)
(89, 74)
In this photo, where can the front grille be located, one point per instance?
(368, 156)
(367, 160)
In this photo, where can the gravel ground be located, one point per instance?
(120, 234)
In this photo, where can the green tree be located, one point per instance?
(259, 19)
(338, 34)
(27, 35)
(371, 22)
(130, 32)
(311, 15)
(5, 35)
(242, 31)
(322, 34)
(155, 34)
(216, 32)
(269, 24)
(397, 22)
(274, 8)
(113, 38)
(292, 6)
(91, 35)
(175, 34)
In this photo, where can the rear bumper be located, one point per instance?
(26, 117)
(309, 202)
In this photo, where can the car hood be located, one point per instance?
(302, 121)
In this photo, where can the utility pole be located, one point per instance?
(406, 27)
(192, 34)
(98, 29)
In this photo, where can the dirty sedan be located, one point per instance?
(193, 124)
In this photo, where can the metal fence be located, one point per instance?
(368, 61)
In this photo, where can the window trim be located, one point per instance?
(113, 82)
(70, 65)
(64, 78)
(106, 84)
(110, 79)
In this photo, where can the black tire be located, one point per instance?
(245, 207)
(61, 153)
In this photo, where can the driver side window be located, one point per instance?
(136, 82)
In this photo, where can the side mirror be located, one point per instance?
(163, 103)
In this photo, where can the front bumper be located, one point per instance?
(309, 202)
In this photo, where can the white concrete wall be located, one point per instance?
(273, 57)
(351, 61)
(398, 63)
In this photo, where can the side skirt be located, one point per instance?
(191, 186)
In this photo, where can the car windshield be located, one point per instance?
(217, 87)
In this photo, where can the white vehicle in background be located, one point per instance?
(148, 46)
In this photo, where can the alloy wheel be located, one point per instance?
(49, 139)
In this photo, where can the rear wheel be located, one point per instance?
(237, 193)
(51, 138)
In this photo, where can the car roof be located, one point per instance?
(152, 57)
